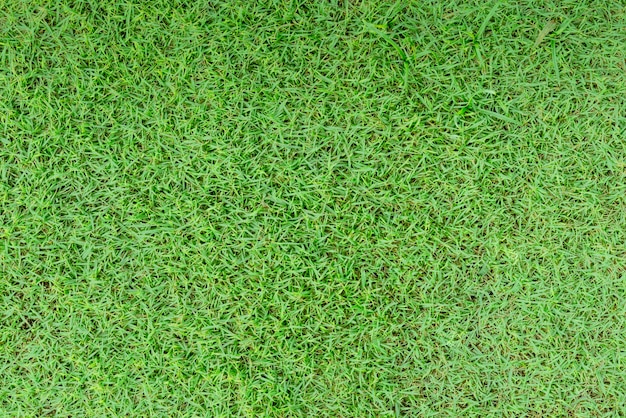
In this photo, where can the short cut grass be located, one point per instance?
(312, 208)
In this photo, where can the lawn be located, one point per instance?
(312, 208)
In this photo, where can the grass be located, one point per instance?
(332, 208)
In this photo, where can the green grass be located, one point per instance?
(295, 208)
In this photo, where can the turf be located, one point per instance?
(312, 208)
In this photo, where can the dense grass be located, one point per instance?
(331, 208)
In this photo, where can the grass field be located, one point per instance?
(312, 208)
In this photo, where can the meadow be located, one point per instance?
(312, 208)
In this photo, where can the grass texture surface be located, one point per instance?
(312, 208)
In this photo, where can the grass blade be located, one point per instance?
(549, 27)
(499, 116)
(491, 14)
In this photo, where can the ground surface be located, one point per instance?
(321, 208)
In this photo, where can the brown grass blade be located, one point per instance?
(549, 27)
